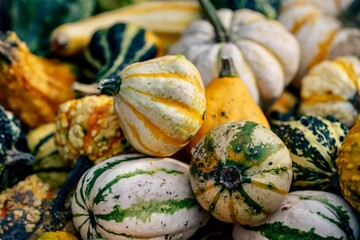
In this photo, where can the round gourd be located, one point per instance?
(160, 103)
(57, 235)
(240, 172)
(348, 164)
(332, 88)
(313, 143)
(137, 197)
(305, 215)
(319, 31)
(265, 54)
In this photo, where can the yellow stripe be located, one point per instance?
(267, 187)
(138, 139)
(311, 17)
(323, 98)
(349, 70)
(204, 190)
(232, 209)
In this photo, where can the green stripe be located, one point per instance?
(100, 196)
(254, 207)
(42, 142)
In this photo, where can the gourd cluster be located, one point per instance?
(180, 119)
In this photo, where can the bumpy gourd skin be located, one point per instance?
(348, 163)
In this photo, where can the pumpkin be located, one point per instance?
(240, 172)
(332, 88)
(160, 103)
(305, 215)
(134, 196)
(227, 100)
(321, 34)
(313, 143)
(266, 56)
(348, 164)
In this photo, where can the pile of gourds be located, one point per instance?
(180, 119)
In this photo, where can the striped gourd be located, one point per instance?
(313, 143)
(137, 197)
(240, 172)
(111, 49)
(333, 88)
(305, 215)
(160, 103)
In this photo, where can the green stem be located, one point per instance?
(221, 33)
(227, 68)
(110, 86)
(350, 17)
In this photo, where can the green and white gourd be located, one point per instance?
(137, 197)
(240, 172)
(313, 142)
(306, 215)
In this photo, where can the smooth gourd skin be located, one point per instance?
(348, 163)
(228, 100)
(135, 197)
(305, 215)
(240, 172)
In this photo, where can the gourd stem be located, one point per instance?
(230, 177)
(221, 34)
(350, 17)
(81, 166)
(227, 68)
(110, 86)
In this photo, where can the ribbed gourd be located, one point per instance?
(348, 164)
(332, 88)
(160, 103)
(313, 143)
(305, 215)
(134, 196)
(240, 172)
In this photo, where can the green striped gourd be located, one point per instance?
(137, 197)
(160, 103)
(111, 49)
(240, 172)
(305, 215)
(313, 143)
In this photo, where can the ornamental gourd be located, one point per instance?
(136, 197)
(321, 30)
(240, 172)
(313, 143)
(266, 56)
(305, 215)
(160, 103)
(332, 88)
(348, 164)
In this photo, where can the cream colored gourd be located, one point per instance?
(265, 54)
(318, 30)
(332, 88)
(160, 103)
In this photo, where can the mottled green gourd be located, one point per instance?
(313, 143)
(137, 197)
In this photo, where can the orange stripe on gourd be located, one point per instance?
(267, 187)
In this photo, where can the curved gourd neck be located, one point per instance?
(350, 17)
(227, 68)
(110, 86)
(221, 33)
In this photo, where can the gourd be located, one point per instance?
(167, 19)
(227, 100)
(332, 88)
(313, 143)
(34, 20)
(305, 215)
(160, 103)
(321, 28)
(266, 56)
(57, 235)
(134, 196)
(240, 172)
(348, 165)
(30, 86)
(288, 102)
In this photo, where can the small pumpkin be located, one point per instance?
(134, 196)
(265, 54)
(160, 103)
(348, 164)
(321, 30)
(332, 88)
(240, 172)
(227, 99)
(305, 215)
(313, 143)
